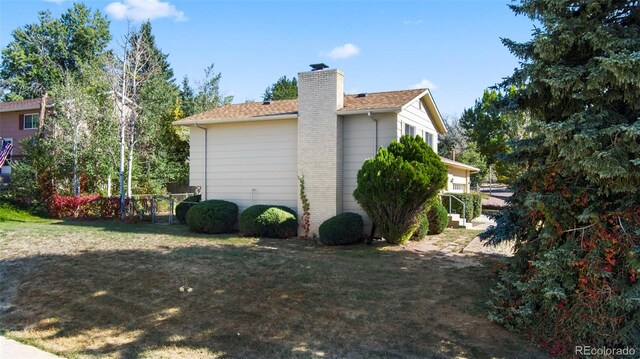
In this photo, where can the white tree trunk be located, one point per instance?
(109, 185)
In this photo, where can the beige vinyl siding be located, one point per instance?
(417, 116)
(196, 157)
(248, 163)
(458, 180)
(359, 145)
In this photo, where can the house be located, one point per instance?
(253, 153)
(18, 120)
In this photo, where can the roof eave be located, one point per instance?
(370, 110)
(456, 164)
(208, 121)
(25, 108)
(432, 110)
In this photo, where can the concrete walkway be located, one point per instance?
(11, 349)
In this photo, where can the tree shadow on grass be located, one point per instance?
(133, 227)
(275, 299)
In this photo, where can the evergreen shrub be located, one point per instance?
(268, 221)
(438, 218)
(395, 186)
(183, 207)
(345, 228)
(212, 216)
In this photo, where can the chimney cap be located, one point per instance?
(364, 94)
(267, 102)
(320, 66)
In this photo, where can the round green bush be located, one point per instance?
(183, 207)
(423, 227)
(264, 220)
(438, 218)
(345, 228)
(212, 216)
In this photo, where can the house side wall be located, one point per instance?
(320, 94)
(359, 138)
(9, 128)
(416, 115)
(248, 163)
(196, 157)
(457, 180)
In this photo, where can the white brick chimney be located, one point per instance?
(320, 94)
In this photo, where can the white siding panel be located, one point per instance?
(360, 144)
(196, 157)
(416, 116)
(251, 163)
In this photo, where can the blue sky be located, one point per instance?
(453, 47)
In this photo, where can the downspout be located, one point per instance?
(206, 170)
(375, 150)
(375, 133)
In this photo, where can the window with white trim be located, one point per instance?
(409, 130)
(429, 138)
(30, 121)
(458, 187)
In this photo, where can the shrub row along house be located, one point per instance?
(253, 153)
(18, 120)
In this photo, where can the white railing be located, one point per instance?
(464, 205)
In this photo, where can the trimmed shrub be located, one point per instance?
(423, 227)
(395, 186)
(438, 218)
(183, 207)
(268, 221)
(345, 228)
(212, 216)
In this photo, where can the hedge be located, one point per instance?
(212, 216)
(345, 228)
(438, 218)
(183, 207)
(269, 221)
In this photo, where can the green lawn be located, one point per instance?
(110, 289)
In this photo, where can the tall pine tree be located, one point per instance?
(575, 212)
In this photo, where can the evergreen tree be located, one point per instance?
(209, 95)
(575, 213)
(187, 98)
(283, 89)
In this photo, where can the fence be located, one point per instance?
(155, 208)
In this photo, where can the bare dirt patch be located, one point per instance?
(111, 289)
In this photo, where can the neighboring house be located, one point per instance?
(253, 153)
(18, 120)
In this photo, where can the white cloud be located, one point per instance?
(341, 52)
(412, 22)
(425, 84)
(140, 10)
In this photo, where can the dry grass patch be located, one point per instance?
(111, 289)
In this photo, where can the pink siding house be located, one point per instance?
(18, 120)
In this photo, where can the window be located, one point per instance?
(30, 121)
(458, 187)
(429, 137)
(409, 130)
